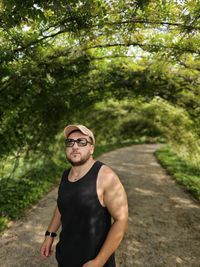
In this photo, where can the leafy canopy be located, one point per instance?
(59, 58)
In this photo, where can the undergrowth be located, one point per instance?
(184, 172)
(18, 194)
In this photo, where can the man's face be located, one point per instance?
(78, 155)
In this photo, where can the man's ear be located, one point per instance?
(92, 151)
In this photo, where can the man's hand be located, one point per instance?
(92, 263)
(46, 250)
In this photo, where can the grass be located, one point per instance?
(183, 172)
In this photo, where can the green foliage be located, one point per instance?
(184, 173)
(58, 58)
(18, 194)
(3, 223)
(139, 120)
(178, 129)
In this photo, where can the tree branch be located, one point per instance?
(188, 27)
(148, 46)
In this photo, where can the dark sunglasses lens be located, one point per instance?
(69, 142)
(82, 142)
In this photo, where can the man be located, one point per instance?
(89, 195)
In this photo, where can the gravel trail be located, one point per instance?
(164, 221)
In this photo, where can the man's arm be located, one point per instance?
(114, 198)
(53, 227)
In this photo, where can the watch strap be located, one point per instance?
(51, 234)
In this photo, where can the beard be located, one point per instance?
(82, 161)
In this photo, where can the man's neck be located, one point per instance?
(77, 172)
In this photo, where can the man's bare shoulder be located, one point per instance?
(114, 195)
(107, 176)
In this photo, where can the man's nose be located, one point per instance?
(75, 146)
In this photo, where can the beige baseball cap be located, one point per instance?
(68, 129)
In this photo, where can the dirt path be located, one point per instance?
(164, 221)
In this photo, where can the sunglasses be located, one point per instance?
(80, 142)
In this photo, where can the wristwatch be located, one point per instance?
(51, 234)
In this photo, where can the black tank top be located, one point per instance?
(85, 222)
